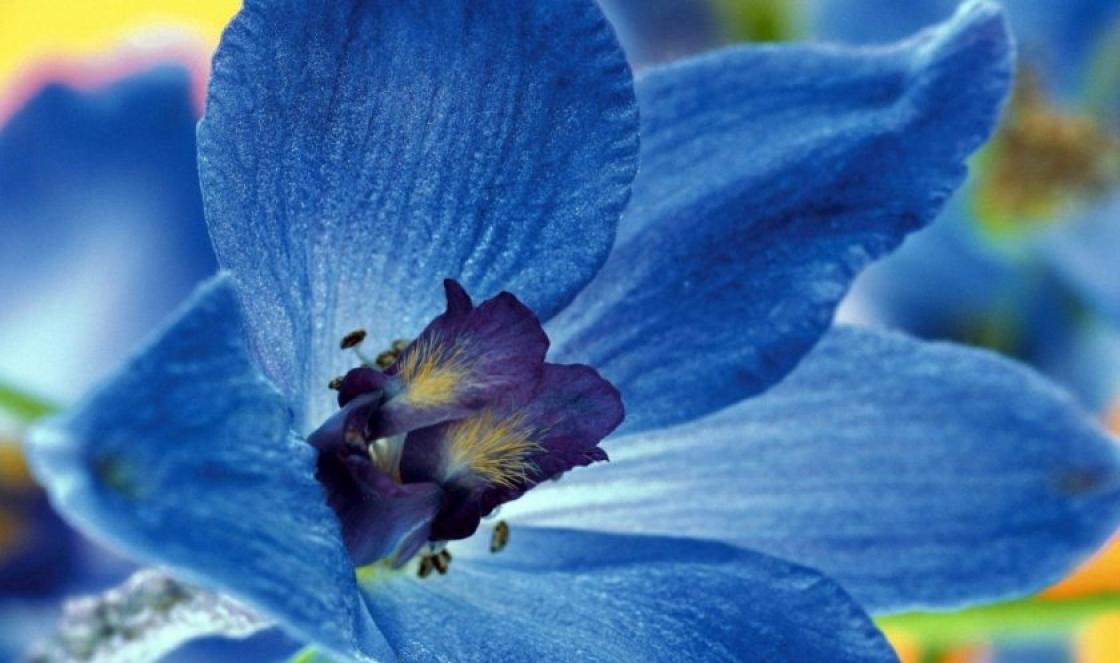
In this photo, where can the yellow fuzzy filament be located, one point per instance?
(433, 371)
(492, 448)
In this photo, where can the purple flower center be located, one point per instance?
(437, 433)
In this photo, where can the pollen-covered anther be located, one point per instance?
(353, 339)
(390, 356)
(335, 384)
(500, 538)
(439, 562)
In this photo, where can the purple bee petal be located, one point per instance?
(359, 381)
(560, 427)
(466, 359)
(380, 518)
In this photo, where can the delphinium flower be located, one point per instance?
(1022, 259)
(399, 193)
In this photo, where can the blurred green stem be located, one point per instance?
(1004, 620)
(23, 406)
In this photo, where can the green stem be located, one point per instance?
(308, 655)
(23, 406)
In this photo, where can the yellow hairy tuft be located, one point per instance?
(496, 450)
(433, 371)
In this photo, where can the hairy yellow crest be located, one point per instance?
(493, 448)
(433, 371)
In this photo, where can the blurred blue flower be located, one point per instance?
(103, 227)
(355, 154)
(1022, 259)
(103, 235)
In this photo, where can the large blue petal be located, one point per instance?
(770, 176)
(354, 154)
(1057, 37)
(558, 595)
(917, 475)
(185, 459)
(102, 226)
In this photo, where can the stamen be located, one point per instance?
(335, 384)
(440, 562)
(500, 538)
(353, 339)
(390, 356)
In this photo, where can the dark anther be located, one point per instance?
(500, 537)
(386, 359)
(352, 339)
(441, 561)
(335, 384)
(426, 566)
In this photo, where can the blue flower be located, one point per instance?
(103, 226)
(103, 236)
(355, 154)
(1022, 257)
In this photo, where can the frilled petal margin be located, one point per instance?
(916, 475)
(565, 595)
(185, 459)
(770, 176)
(355, 153)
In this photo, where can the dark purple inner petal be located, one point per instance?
(379, 516)
(469, 417)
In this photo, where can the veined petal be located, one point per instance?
(355, 153)
(557, 595)
(770, 176)
(916, 475)
(186, 459)
(102, 226)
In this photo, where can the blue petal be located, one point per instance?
(185, 459)
(355, 153)
(916, 475)
(558, 595)
(770, 176)
(102, 226)
(1056, 37)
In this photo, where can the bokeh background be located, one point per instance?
(102, 235)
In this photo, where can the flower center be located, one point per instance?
(1042, 159)
(434, 434)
